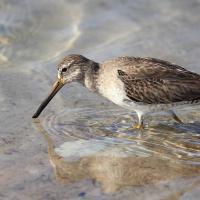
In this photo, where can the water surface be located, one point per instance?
(82, 146)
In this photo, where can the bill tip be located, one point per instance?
(34, 116)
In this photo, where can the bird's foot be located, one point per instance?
(139, 126)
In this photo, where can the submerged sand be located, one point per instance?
(34, 35)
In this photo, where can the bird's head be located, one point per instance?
(71, 68)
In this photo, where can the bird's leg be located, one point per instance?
(175, 117)
(140, 124)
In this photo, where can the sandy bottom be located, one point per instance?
(82, 146)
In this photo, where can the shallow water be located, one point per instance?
(82, 146)
(98, 143)
(114, 127)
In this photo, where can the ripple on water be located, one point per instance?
(112, 127)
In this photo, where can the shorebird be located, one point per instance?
(143, 85)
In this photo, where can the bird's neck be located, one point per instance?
(90, 78)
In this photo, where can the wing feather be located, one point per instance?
(152, 68)
(160, 90)
(155, 81)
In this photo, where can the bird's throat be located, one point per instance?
(90, 78)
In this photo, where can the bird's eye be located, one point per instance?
(64, 69)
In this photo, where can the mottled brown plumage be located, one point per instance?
(154, 81)
(144, 85)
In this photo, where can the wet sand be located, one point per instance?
(33, 38)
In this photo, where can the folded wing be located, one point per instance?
(153, 81)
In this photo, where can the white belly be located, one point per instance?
(112, 88)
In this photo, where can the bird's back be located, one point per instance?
(153, 81)
(150, 67)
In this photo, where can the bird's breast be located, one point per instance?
(110, 86)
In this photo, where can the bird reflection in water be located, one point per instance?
(113, 167)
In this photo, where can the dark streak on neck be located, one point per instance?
(91, 74)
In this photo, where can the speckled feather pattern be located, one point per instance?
(143, 85)
(153, 81)
(141, 80)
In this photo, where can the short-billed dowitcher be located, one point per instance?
(144, 85)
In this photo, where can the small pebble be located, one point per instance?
(81, 194)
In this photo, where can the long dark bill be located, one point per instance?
(56, 87)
